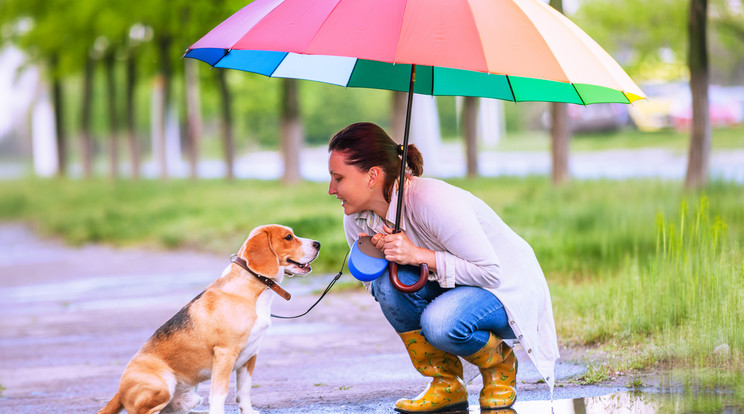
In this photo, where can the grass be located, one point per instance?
(646, 272)
(686, 300)
(595, 373)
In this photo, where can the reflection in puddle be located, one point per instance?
(628, 402)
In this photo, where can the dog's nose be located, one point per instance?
(316, 244)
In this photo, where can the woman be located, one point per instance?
(485, 284)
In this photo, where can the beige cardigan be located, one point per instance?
(475, 247)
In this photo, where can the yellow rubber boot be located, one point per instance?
(498, 367)
(446, 391)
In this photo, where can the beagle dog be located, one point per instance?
(217, 333)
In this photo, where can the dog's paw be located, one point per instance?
(248, 410)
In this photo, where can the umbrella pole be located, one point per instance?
(404, 157)
(393, 270)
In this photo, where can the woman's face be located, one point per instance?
(349, 184)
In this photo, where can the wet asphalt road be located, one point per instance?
(72, 317)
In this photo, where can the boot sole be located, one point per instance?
(454, 408)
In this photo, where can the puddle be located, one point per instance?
(631, 402)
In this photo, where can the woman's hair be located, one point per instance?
(366, 145)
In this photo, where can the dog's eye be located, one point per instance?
(288, 237)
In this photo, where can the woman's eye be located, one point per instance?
(288, 237)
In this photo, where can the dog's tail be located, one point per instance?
(113, 407)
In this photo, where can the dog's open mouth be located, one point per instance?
(302, 268)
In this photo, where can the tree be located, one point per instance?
(37, 24)
(110, 38)
(290, 127)
(650, 31)
(86, 140)
(700, 135)
(560, 135)
(398, 115)
(228, 141)
(193, 114)
(130, 83)
(470, 131)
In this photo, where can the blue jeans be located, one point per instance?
(455, 320)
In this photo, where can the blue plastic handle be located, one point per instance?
(364, 263)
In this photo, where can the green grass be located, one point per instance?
(214, 216)
(679, 306)
(630, 266)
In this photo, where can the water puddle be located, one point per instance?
(632, 402)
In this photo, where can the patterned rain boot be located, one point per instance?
(446, 391)
(498, 367)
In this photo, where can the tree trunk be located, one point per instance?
(291, 131)
(109, 62)
(470, 130)
(398, 116)
(58, 102)
(560, 135)
(700, 136)
(226, 124)
(164, 44)
(131, 82)
(86, 140)
(157, 121)
(193, 115)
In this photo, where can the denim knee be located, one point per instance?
(387, 295)
(403, 310)
(444, 331)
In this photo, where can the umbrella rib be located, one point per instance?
(543, 40)
(320, 26)
(278, 64)
(511, 89)
(578, 94)
(480, 40)
(225, 53)
(348, 81)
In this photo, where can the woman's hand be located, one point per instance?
(398, 248)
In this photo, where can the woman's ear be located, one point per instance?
(375, 176)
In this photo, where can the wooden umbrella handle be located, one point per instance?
(393, 271)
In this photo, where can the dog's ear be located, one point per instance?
(259, 254)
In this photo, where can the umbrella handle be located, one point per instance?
(393, 271)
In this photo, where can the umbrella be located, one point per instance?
(514, 50)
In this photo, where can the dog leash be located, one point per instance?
(283, 293)
(327, 289)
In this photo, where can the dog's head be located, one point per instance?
(273, 250)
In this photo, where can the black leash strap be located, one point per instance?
(330, 285)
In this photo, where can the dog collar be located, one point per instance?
(265, 280)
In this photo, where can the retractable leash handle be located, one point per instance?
(366, 263)
(423, 278)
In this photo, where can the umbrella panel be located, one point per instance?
(360, 73)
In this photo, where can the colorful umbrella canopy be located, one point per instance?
(515, 50)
